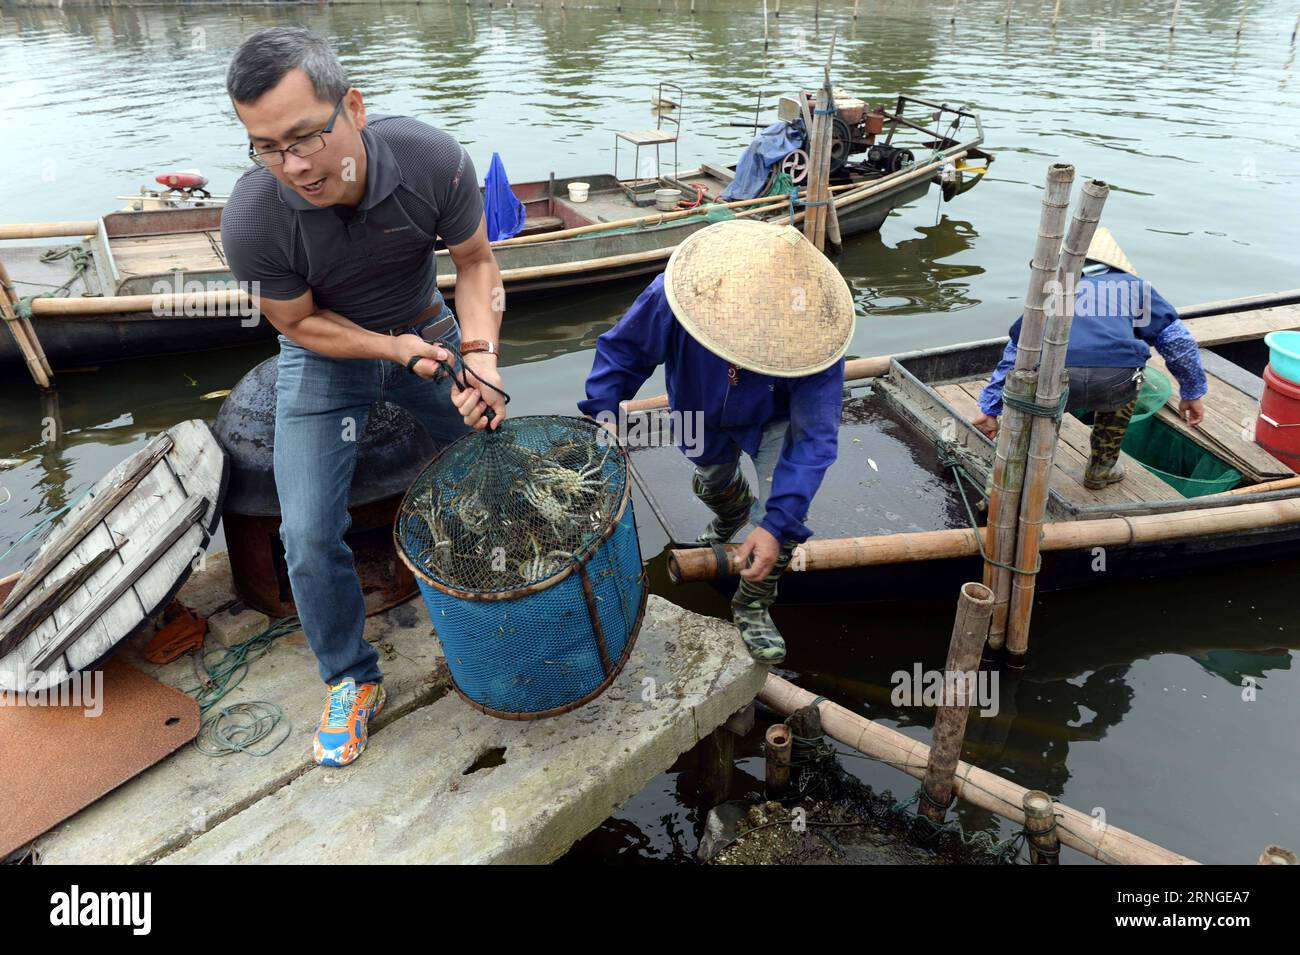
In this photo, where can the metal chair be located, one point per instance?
(657, 137)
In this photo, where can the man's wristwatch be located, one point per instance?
(478, 345)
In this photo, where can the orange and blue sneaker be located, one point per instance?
(342, 731)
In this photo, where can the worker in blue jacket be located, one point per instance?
(751, 323)
(1118, 317)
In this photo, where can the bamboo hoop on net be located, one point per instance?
(1052, 380)
(1013, 432)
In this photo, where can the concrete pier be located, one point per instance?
(439, 781)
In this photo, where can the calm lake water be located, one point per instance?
(1132, 700)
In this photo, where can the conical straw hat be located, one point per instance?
(761, 296)
(1104, 249)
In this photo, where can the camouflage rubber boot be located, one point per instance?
(1104, 465)
(730, 507)
(749, 611)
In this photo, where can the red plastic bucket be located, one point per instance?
(1278, 429)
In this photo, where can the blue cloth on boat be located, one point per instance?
(1117, 318)
(505, 213)
(768, 148)
(729, 415)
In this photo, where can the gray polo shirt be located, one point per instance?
(374, 264)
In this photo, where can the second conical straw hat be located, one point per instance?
(1104, 249)
(761, 296)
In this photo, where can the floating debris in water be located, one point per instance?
(219, 393)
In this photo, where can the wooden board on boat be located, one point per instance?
(116, 559)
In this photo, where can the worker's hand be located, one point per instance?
(986, 424)
(763, 548)
(472, 402)
(1193, 411)
(408, 346)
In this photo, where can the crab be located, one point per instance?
(540, 565)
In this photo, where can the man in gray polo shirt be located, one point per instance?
(336, 223)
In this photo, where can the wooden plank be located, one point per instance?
(966, 405)
(177, 524)
(87, 514)
(19, 626)
(153, 254)
(1243, 326)
(197, 461)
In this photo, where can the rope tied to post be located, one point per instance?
(949, 459)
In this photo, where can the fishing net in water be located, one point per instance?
(831, 816)
(523, 542)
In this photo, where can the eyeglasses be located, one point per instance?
(303, 147)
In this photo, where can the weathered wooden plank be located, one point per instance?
(87, 514)
(156, 582)
(197, 461)
(179, 522)
(20, 625)
(1243, 326)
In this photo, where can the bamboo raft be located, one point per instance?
(890, 521)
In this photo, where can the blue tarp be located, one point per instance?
(768, 148)
(504, 212)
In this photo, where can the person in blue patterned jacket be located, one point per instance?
(751, 324)
(1118, 318)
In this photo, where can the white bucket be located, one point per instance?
(578, 191)
(666, 199)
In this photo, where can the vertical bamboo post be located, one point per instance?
(1008, 17)
(765, 25)
(855, 9)
(1295, 29)
(778, 7)
(1013, 432)
(1040, 825)
(1276, 855)
(1043, 431)
(969, 630)
(779, 742)
(953, 16)
(23, 332)
(1241, 24)
(1056, 12)
(813, 229)
(1173, 21)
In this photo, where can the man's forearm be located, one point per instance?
(329, 333)
(480, 300)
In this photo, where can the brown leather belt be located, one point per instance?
(438, 330)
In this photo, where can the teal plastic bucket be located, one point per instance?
(1284, 354)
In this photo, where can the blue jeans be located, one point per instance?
(321, 409)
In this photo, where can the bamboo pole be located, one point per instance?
(779, 743)
(1241, 23)
(818, 171)
(969, 631)
(1173, 20)
(690, 564)
(123, 304)
(952, 18)
(1008, 16)
(1282, 484)
(1056, 12)
(1040, 826)
(977, 786)
(38, 366)
(1052, 381)
(854, 370)
(855, 9)
(47, 230)
(765, 25)
(778, 7)
(647, 222)
(1013, 432)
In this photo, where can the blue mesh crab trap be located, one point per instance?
(523, 543)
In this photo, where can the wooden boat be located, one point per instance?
(119, 556)
(155, 281)
(893, 482)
